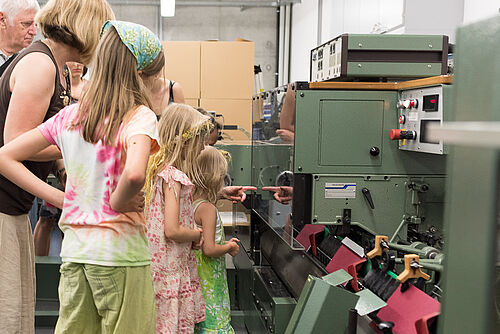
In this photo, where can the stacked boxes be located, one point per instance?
(215, 76)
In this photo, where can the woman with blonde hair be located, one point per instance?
(32, 89)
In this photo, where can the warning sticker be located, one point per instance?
(340, 190)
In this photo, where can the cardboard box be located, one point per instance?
(236, 112)
(182, 64)
(227, 70)
(195, 103)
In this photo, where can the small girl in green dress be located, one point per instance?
(211, 259)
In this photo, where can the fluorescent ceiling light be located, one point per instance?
(167, 8)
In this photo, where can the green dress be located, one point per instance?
(213, 280)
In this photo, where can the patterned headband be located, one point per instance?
(141, 41)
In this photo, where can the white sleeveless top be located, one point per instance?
(218, 224)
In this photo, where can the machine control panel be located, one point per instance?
(417, 110)
(351, 56)
(326, 61)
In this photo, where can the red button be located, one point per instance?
(402, 119)
(395, 134)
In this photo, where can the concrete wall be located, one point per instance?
(227, 24)
(434, 17)
(303, 38)
(475, 10)
(201, 23)
(374, 16)
(334, 18)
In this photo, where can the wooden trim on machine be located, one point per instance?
(431, 81)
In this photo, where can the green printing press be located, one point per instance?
(350, 178)
(384, 226)
(361, 246)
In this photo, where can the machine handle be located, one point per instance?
(368, 197)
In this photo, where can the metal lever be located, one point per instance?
(368, 197)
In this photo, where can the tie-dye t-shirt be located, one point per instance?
(93, 232)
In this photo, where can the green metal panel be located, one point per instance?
(334, 115)
(395, 42)
(268, 162)
(274, 303)
(244, 285)
(47, 276)
(472, 213)
(394, 69)
(470, 249)
(47, 297)
(282, 311)
(322, 308)
(391, 197)
(239, 167)
(393, 161)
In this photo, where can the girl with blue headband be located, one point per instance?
(106, 284)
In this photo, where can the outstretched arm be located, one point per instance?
(235, 193)
(282, 194)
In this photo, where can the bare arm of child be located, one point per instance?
(173, 230)
(206, 216)
(20, 149)
(134, 174)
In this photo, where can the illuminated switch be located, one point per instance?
(399, 134)
(413, 103)
(402, 119)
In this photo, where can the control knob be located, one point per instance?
(398, 134)
(407, 104)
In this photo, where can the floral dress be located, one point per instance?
(179, 299)
(213, 279)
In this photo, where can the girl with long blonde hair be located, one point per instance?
(106, 284)
(32, 90)
(170, 222)
(211, 260)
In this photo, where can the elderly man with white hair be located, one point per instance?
(17, 26)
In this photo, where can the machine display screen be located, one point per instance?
(424, 127)
(431, 103)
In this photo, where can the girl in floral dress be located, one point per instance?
(211, 261)
(172, 233)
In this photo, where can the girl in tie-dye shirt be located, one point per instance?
(106, 283)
